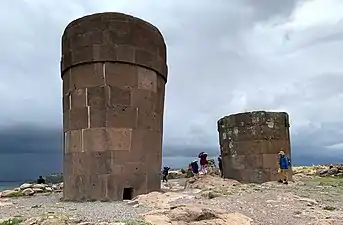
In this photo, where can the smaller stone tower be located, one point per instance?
(250, 143)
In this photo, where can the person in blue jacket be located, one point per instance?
(284, 164)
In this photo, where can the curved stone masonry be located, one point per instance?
(250, 143)
(114, 73)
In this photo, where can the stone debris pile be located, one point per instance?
(335, 171)
(27, 189)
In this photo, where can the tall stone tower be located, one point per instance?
(250, 143)
(114, 73)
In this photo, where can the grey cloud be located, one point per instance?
(224, 58)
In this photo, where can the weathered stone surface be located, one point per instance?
(250, 143)
(114, 72)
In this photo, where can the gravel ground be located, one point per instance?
(299, 203)
(87, 211)
(271, 203)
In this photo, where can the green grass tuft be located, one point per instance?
(12, 221)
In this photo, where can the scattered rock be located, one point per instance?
(38, 190)
(28, 192)
(11, 193)
(196, 215)
(25, 186)
(39, 186)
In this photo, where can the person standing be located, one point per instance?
(203, 161)
(284, 164)
(195, 167)
(220, 165)
(40, 180)
(165, 173)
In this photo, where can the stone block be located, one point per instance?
(67, 83)
(119, 138)
(87, 75)
(160, 97)
(97, 116)
(68, 164)
(78, 98)
(147, 79)
(149, 121)
(66, 102)
(121, 75)
(125, 53)
(254, 161)
(119, 96)
(145, 58)
(122, 117)
(66, 118)
(104, 52)
(119, 34)
(111, 191)
(78, 118)
(73, 141)
(98, 96)
(100, 162)
(237, 162)
(93, 188)
(79, 40)
(153, 180)
(270, 161)
(82, 55)
(145, 100)
(94, 139)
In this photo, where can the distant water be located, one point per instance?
(9, 185)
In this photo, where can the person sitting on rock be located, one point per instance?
(220, 165)
(165, 173)
(203, 161)
(195, 167)
(284, 164)
(40, 180)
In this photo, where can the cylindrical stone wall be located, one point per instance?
(250, 143)
(114, 72)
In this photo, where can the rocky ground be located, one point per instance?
(310, 199)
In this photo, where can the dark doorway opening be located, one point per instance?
(127, 193)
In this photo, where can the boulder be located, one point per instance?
(38, 190)
(49, 189)
(41, 186)
(28, 192)
(10, 193)
(332, 171)
(195, 215)
(25, 185)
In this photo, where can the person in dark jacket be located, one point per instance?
(195, 167)
(40, 180)
(203, 161)
(165, 173)
(220, 165)
(284, 164)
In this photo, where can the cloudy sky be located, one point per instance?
(224, 57)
